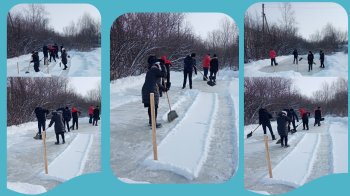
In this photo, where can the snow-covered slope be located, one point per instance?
(336, 65)
(80, 64)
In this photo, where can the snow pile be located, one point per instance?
(76, 153)
(80, 64)
(129, 181)
(25, 188)
(185, 149)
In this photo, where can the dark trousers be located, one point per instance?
(310, 66)
(90, 119)
(294, 127)
(268, 125)
(284, 140)
(41, 124)
(213, 75)
(189, 74)
(66, 123)
(36, 67)
(273, 61)
(75, 122)
(317, 122)
(58, 137)
(322, 63)
(306, 124)
(52, 56)
(95, 121)
(205, 70)
(150, 115)
(295, 61)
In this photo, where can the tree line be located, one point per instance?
(135, 36)
(275, 94)
(284, 38)
(24, 94)
(29, 29)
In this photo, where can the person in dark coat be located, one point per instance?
(152, 85)
(46, 54)
(96, 116)
(322, 59)
(56, 50)
(167, 64)
(305, 118)
(151, 60)
(164, 70)
(282, 122)
(214, 68)
(310, 60)
(61, 48)
(35, 60)
(189, 66)
(295, 54)
(293, 116)
(67, 115)
(318, 116)
(59, 127)
(40, 114)
(75, 116)
(64, 58)
(264, 120)
(52, 53)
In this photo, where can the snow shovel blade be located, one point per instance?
(322, 119)
(172, 115)
(278, 141)
(249, 134)
(301, 58)
(27, 72)
(211, 83)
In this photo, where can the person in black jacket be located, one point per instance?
(40, 114)
(322, 59)
(152, 85)
(66, 117)
(189, 66)
(214, 67)
(318, 116)
(293, 116)
(46, 54)
(75, 115)
(59, 127)
(151, 60)
(295, 54)
(55, 46)
(64, 58)
(310, 60)
(264, 120)
(282, 121)
(35, 60)
(305, 119)
(96, 116)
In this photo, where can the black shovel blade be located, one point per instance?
(172, 115)
(249, 135)
(278, 141)
(211, 83)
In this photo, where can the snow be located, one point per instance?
(212, 147)
(194, 132)
(336, 65)
(76, 153)
(26, 188)
(129, 181)
(80, 64)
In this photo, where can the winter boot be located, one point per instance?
(273, 137)
(286, 146)
(57, 143)
(38, 136)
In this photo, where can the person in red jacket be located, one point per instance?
(75, 115)
(273, 55)
(167, 64)
(205, 65)
(91, 113)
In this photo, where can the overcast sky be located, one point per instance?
(203, 23)
(82, 85)
(308, 85)
(310, 17)
(61, 15)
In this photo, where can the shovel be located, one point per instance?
(172, 114)
(251, 133)
(210, 83)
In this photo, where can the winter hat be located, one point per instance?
(284, 113)
(64, 49)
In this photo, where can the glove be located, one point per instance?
(168, 85)
(195, 72)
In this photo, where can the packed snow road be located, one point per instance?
(80, 64)
(80, 154)
(190, 151)
(312, 154)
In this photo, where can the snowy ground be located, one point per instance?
(336, 65)
(25, 172)
(200, 146)
(312, 154)
(80, 64)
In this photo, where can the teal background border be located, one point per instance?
(105, 183)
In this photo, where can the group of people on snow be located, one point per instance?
(310, 58)
(157, 78)
(285, 119)
(61, 118)
(52, 51)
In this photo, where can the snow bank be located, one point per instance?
(25, 188)
(185, 149)
(129, 181)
